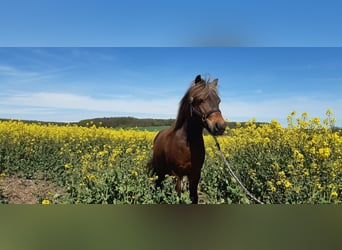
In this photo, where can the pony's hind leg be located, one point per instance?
(159, 181)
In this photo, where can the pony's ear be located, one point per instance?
(215, 81)
(198, 79)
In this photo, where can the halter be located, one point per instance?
(205, 116)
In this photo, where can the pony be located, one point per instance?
(179, 150)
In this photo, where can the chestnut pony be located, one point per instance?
(179, 150)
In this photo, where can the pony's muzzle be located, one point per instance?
(219, 128)
(216, 126)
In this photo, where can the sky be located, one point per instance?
(71, 60)
(73, 83)
(166, 23)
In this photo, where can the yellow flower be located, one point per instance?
(329, 112)
(271, 186)
(324, 153)
(129, 150)
(45, 202)
(91, 177)
(316, 121)
(67, 166)
(275, 166)
(298, 156)
(306, 172)
(290, 167)
(287, 184)
(314, 165)
(281, 174)
(333, 194)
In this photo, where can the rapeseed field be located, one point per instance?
(301, 163)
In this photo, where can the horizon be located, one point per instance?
(72, 84)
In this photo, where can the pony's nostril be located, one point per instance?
(219, 128)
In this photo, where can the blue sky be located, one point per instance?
(70, 60)
(170, 23)
(73, 83)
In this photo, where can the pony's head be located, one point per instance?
(204, 103)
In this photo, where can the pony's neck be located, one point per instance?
(193, 131)
(194, 126)
(189, 123)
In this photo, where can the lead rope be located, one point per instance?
(233, 174)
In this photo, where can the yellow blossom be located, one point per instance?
(314, 165)
(271, 186)
(45, 202)
(333, 194)
(91, 177)
(129, 150)
(324, 153)
(328, 112)
(67, 166)
(306, 172)
(281, 174)
(287, 184)
(299, 157)
(315, 121)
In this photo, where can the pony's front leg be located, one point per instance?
(179, 185)
(193, 184)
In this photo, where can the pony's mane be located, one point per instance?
(197, 91)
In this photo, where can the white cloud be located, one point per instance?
(14, 72)
(72, 107)
(66, 102)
